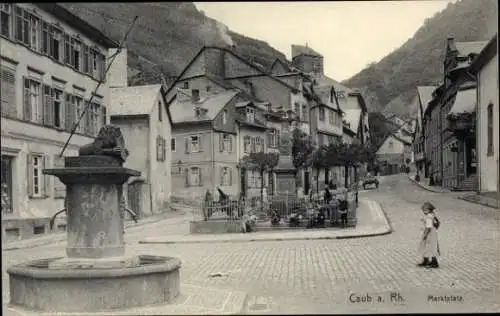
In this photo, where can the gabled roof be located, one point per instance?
(425, 95)
(485, 55)
(352, 117)
(183, 111)
(135, 100)
(283, 63)
(79, 24)
(465, 102)
(467, 48)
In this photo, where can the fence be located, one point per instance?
(234, 208)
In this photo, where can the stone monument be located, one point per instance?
(96, 274)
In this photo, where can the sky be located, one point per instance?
(349, 34)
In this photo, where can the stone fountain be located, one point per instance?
(97, 274)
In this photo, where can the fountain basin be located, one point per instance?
(35, 286)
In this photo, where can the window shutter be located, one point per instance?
(46, 92)
(8, 97)
(200, 182)
(245, 142)
(230, 144)
(186, 174)
(221, 142)
(158, 149)
(26, 103)
(164, 148)
(45, 177)
(59, 187)
(186, 141)
(70, 112)
(230, 176)
(103, 117)
(278, 140)
(29, 171)
(252, 140)
(200, 142)
(262, 145)
(221, 171)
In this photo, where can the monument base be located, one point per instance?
(104, 263)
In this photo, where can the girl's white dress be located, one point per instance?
(429, 247)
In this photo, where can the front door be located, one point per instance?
(270, 190)
(306, 182)
(6, 183)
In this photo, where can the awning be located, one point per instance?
(465, 102)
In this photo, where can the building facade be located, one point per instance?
(140, 112)
(485, 67)
(392, 154)
(424, 96)
(51, 62)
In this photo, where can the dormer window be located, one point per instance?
(250, 114)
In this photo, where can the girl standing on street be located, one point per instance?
(429, 247)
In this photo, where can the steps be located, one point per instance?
(469, 184)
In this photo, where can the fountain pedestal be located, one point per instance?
(96, 275)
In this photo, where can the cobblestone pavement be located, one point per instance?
(319, 276)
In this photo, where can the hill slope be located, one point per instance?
(393, 80)
(166, 36)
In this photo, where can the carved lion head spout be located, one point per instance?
(109, 142)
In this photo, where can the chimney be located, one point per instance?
(117, 74)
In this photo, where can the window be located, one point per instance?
(195, 177)
(85, 59)
(19, 24)
(67, 49)
(254, 180)
(45, 38)
(8, 91)
(94, 123)
(274, 138)
(36, 183)
(226, 143)
(195, 93)
(224, 117)
(172, 144)
(246, 144)
(58, 103)
(32, 104)
(259, 144)
(34, 32)
(55, 43)
(76, 54)
(340, 94)
(225, 176)
(160, 148)
(322, 114)
(321, 140)
(160, 111)
(250, 114)
(6, 183)
(391, 144)
(186, 85)
(490, 146)
(305, 113)
(195, 144)
(6, 19)
(208, 88)
(331, 117)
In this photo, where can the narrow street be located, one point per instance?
(319, 276)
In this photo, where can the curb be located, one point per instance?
(58, 237)
(478, 202)
(387, 230)
(426, 188)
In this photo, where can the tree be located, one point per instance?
(302, 148)
(318, 160)
(262, 162)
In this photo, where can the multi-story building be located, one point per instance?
(457, 107)
(424, 96)
(485, 68)
(215, 72)
(392, 154)
(51, 62)
(432, 131)
(140, 112)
